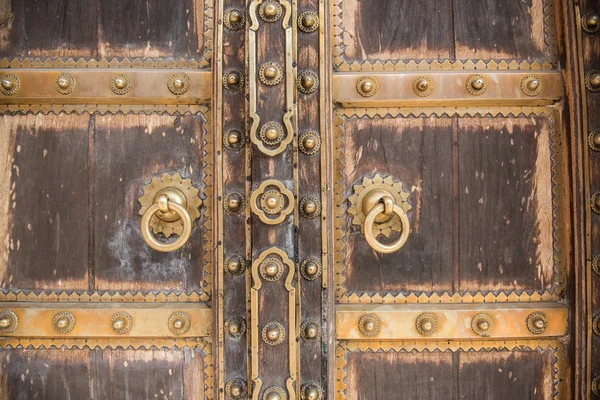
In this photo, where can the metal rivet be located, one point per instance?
(234, 137)
(310, 142)
(533, 84)
(236, 390)
(234, 20)
(271, 269)
(273, 396)
(482, 324)
(120, 83)
(308, 82)
(310, 207)
(271, 133)
(178, 83)
(596, 385)
(422, 86)
(179, 322)
(7, 84)
(590, 23)
(64, 322)
(595, 202)
(367, 86)
(273, 333)
(235, 17)
(595, 80)
(270, 10)
(270, 72)
(10, 84)
(233, 78)
(233, 203)
(308, 21)
(311, 394)
(537, 322)
(234, 265)
(5, 322)
(596, 138)
(64, 83)
(234, 328)
(478, 83)
(311, 268)
(369, 325)
(121, 322)
(8, 321)
(272, 201)
(311, 331)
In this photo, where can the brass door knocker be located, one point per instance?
(383, 210)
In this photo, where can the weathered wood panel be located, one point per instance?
(44, 374)
(505, 211)
(44, 200)
(128, 152)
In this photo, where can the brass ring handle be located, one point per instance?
(149, 237)
(368, 229)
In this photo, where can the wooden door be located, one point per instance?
(298, 199)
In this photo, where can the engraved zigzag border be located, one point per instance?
(340, 64)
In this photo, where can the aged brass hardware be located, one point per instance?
(592, 81)
(384, 210)
(9, 322)
(121, 322)
(310, 331)
(63, 322)
(273, 333)
(179, 83)
(310, 207)
(531, 85)
(271, 133)
(235, 327)
(482, 324)
(367, 86)
(426, 324)
(369, 325)
(234, 140)
(272, 202)
(590, 23)
(121, 84)
(308, 22)
(235, 389)
(596, 385)
(233, 203)
(235, 265)
(311, 391)
(596, 264)
(274, 393)
(537, 322)
(170, 203)
(310, 269)
(270, 11)
(65, 83)
(233, 80)
(10, 84)
(595, 202)
(234, 19)
(179, 322)
(308, 82)
(270, 74)
(271, 269)
(594, 140)
(476, 85)
(423, 86)
(596, 325)
(309, 142)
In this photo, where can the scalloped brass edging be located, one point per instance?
(261, 212)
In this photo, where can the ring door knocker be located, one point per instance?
(169, 206)
(374, 204)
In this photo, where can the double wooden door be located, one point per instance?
(298, 199)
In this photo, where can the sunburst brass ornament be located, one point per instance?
(174, 184)
(378, 182)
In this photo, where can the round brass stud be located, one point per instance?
(594, 140)
(179, 322)
(233, 203)
(272, 202)
(63, 322)
(482, 324)
(596, 385)
(310, 269)
(310, 207)
(65, 83)
(311, 391)
(596, 325)
(270, 74)
(310, 331)
(369, 325)
(307, 82)
(8, 321)
(423, 86)
(270, 11)
(590, 23)
(121, 322)
(309, 142)
(235, 327)
(592, 81)
(271, 133)
(234, 20)
(121, 84)
(308, 22)
(537, 322)
(235, 265)
(233, 80)
(273, 333)
(274, 393)
(595, 202)
(531, 85)
(10, 84)
(179, 83)
(476, 85)
(367, 86)
(271, 269)
(426, 324)
(235, 389)
(234, 140)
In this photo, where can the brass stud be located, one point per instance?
(482, 324)
(270, 73)
(423, 86)
(234, 140)
(595, 202)
(308, 82)
(179, 322)
(308, 22)
(179, 83)
(235, 265)
(531, 85)
(594, 140)
(596, 325)
(65, 83)
(367, 86)
(310, 207)
(309, 142)
(8, 321)
(310, 269)
(63, 322)
(235, 389)
(233, 80)
(426, 324)
(592, 81)
(272, 202)
(311, 391)
(310, 331)
(271, 133)
(270, 11)
(121, 84)
(121, 322)
(590, 23)
(235, 327)
(476, 85)
(537, 322)
(274, 393)
(233, 203)
(234, 20)
(10, 84)
(271, 269)
(273, 333)
(369, 325)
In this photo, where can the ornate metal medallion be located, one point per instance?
(270, 11)
(307, 82)
(590, 23)
(234, 203)
(234, 20)
(121, 84)
(233, 80)
(308, 22)
(271, 133)
(310, 269)
(179, 83)
(273, 333)
(235, 265)
(235, 327)
(310, 207)
(310, 331)
(369, 325)
(234, 140)
(596, 385)
(309, 142)
(476, 85)
(592, 81)
(272, 195)
(121, 322)
(531, 85)
(271, 269)
(482, 324)
(179, 322)
(423, 86)
(64, 322)
(311, 391)
(10, 84)
(426, 324)
(65, 83)
(270, 73)
(9, 322)
(367, 86)
(537, 322)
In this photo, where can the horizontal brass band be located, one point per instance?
(454, 321)
(446, 88)
(93, 86)
(93, 320)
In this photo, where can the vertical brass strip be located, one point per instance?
(324, 73)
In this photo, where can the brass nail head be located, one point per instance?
(422, 85)
(63, 83)
(539, 323)
(367, 86)
(311, 394)
(178, 83)
(309, 142)
(310, 207)
(592, 21)
(119, 323)
(233, 78)
(234, 203)
(270, 10)
(307, 81)
(308, 21)
(311, 331)
(273, 396)
(62, 322)
(120, 83)
(270, 72)
(595, 80)
(273, 334)
(234, 327)
(234, 265)
(533, 84)
(271, 270)
(426, 325)
(235, 17)
(597, 201)
(478, 84)
(272, 201)
(597, 139)
(234, 137)
(236, 390)
(5, 322)
(369, 325)
(7, 84)
(178, 323)
(311, 268)
(483, 325)
(272, 133)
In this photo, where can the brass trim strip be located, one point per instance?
(448, 88)
(398, 322)
(94, 320)
(93, 86)
(66, 296)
